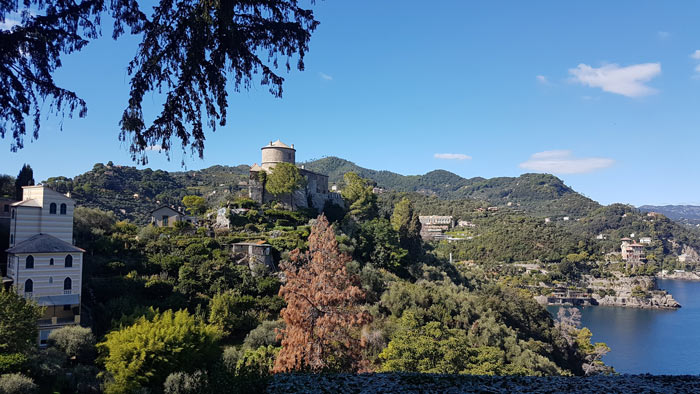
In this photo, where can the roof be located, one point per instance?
(277, 144)
(168, 207)
(27, 203)
(255, 243)
(256, 167)
(44, 243)
(625, 239)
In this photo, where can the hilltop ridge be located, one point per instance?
(536, 194)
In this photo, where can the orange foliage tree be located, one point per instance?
(323, 310)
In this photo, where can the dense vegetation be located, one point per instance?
(380, 298)
(132, 194)
(218, 319)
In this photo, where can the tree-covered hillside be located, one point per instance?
(688, 214)
(536, 194)
(132, 193)
(511, 235)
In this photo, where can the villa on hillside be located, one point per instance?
(632, 252)
(315, 194)
(42, 262)
(433, 227)
(166, 216)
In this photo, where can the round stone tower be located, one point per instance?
(277, 152)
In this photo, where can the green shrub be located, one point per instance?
(264, 335)
(75, 341)
(185, 383)
(16, 383)
(12, 362)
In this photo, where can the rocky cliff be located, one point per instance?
(635, 292)
(681, 275)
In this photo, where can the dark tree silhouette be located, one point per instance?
(323, 308)
(24, 178)
(191, 51)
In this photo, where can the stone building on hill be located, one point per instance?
(315, 194)
(42, 262)
(254, 254)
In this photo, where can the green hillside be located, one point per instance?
(132, 193)
(536, 194)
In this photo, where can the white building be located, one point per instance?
(645, 240)
(42, 262)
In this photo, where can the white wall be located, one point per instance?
(30, 221)
(42, 271)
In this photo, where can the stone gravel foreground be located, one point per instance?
(427, 383)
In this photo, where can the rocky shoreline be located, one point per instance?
(619, 290)
(679, 275)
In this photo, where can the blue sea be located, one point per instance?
(650, 341)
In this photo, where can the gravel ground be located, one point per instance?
(425, 383)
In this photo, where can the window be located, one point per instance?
(44, 336)
(29, 262)
(52, 208)
(63, 209)
(6, 208)
(165, 220)
(69, 261)
(28, 287)
(13, 213)
(67, 285)
(66, 307)
(50, 279)
(50, 261)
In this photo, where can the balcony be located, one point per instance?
(55, 321)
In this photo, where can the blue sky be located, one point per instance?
(603, 94)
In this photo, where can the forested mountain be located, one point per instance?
(536, 194)
(689, 214)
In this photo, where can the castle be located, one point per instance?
(314, 195)
(42, 262)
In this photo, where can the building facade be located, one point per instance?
(315, 194)
(42, 262)
(433, 227)
(167, 217)
(632, 252)
(254, 254)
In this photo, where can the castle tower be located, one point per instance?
(277, 152)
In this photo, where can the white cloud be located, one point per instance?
(696, 54)
(627, 81)
(542, 79)
(564, 162)
(452, 156)
(663, 34)
(154, 148)
(325, 77)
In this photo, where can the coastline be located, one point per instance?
(629, 292)
(679, 275)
